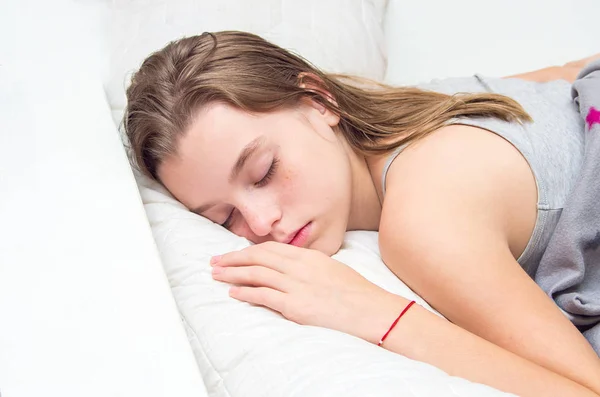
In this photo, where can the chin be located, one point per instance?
(329, 247)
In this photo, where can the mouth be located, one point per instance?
(301, 236)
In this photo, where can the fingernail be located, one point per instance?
(215, 259)
(217, 270)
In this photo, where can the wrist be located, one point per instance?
(385, 311)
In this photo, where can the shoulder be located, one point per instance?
(459, 177)
(461, 159)
(455, 141)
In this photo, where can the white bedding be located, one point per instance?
(249, 351)
(85, 310)
(337, 35)
(84, 307)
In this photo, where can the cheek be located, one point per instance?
(314, 187)
(290, 185)
(241, 229)
(315, 176)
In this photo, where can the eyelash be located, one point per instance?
(269, 175)
(263, 182)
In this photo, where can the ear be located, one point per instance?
(312, 82)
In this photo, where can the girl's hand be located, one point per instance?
(308, 287)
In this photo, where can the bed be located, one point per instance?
(105, 286)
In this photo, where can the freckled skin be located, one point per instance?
(312, 181)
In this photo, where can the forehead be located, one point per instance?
(207, 151)
(217, 133)
(217, 125)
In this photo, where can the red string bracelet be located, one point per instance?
(395, 322)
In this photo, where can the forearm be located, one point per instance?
(568, 71)
(548, 74)
(423, 336)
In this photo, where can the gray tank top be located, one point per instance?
(553, 145)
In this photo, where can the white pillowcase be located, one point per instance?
(336, 35)
(429, 39)
(246, 351)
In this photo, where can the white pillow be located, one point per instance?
(336, 35)
(429, 39)
(246, 351)
(55, 37)
(85, 308)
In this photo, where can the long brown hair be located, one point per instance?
(254, 75)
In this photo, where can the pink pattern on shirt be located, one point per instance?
(593, 117)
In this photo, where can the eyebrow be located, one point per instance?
(248, 151)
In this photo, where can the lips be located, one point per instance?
(300, 237)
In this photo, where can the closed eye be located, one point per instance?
(263, 182)
(272, 169)
(227, 222)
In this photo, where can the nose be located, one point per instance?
(261, 217)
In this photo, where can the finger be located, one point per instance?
(260, 296)
(292, 260)
(251, 257)
(256, 276)
(285, 250)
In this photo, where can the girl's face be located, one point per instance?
(266, 176)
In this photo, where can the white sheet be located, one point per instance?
(248, 351)
(85, 309)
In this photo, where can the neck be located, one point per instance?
(365, 208)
